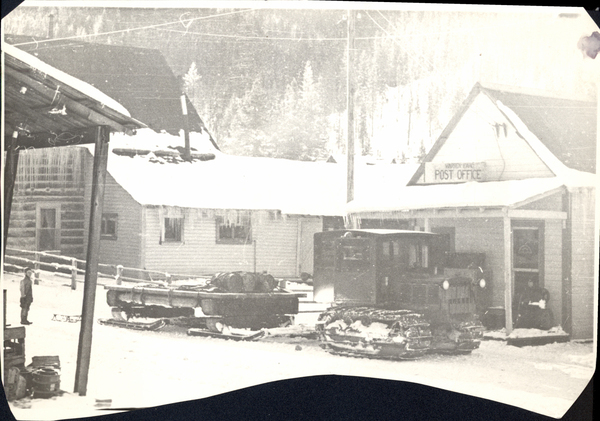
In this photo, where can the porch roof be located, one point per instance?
(495, 194)
(46, 106)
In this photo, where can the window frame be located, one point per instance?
(113, 217)
(246, 225)
(168, 240)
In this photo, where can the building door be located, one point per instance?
(528, 254)
(48, 227)
(306, 231)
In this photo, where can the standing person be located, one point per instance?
(26, 295)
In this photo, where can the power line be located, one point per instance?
(180, 21)
(262, 38)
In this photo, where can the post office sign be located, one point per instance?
(454, 172)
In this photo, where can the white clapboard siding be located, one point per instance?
(583, 263)
(475, 139)
(550, 203)
(308, 227)
(481, 235)
(199, 253)
(125, 250)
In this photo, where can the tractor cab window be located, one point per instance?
(354, 254)
(325, 253)
(418, 256)
(394, 253)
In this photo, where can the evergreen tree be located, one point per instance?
(190, 81)
(302, 132)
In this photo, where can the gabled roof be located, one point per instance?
(567, 127)
(563, 130)
(138, 78)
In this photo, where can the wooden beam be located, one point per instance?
(536, 214)
(10, 176)
(58, 99)
(91, 268)
(508, 270)
(434, 213)
(567, 263)
(50, 140)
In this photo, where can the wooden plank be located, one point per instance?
(351, 91)
(536, 214)
(91, 270)
(10, 175)
(537, 340)
(508, 275)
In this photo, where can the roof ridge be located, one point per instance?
(545, 93)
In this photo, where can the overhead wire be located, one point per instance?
(179, 21)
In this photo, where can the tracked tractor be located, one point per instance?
(392, 296)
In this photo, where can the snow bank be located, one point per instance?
(147, 369)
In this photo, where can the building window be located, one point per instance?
(108, 226)
(234, 232)
(48, 223)
(172, 230)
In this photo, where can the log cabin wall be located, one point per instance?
(48, 203)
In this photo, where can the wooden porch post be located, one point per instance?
(91, 269)
(10, 177)
(508, 273)
(351, 90)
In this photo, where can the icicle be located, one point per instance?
(161, 218)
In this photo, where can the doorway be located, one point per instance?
(528, 254)
(48, 227)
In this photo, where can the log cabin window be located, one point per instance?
(172, 230)
(234, 232)
(108, 226)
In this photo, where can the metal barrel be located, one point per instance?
(46, 382)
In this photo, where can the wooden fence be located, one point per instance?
(16, 260)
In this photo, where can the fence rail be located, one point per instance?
(17, 260)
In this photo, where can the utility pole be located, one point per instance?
(187, 152)
(351, 90)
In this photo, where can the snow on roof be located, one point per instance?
(238, 182)
(148, 139)
(472, 194)
(225, 182)
(65, 78)
(565, 125)
(556, 166)
(570, 177)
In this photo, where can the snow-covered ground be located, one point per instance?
(146, 369)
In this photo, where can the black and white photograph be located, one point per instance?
(309, 210)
